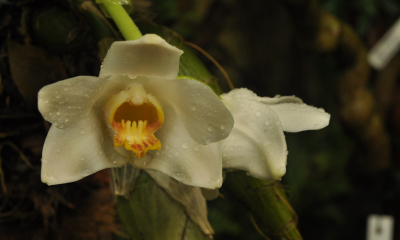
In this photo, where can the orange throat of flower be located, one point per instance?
(135, 116)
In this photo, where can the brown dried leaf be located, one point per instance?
(32, 68)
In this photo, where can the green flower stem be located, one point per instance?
(125, 24)
(267, 202)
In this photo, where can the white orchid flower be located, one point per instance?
(257, 143)
(136, 111)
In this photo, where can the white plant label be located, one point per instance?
(385, 49)
(380, 227)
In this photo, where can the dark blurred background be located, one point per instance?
(316, 50)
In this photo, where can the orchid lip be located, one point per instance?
(134, 116)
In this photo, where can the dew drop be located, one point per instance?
(317, 125)
(223, 126)
(85, 172)
(58, 150)
(82, 131)
(82, 158)
(258, 113)
(61, 126)
(267, 123)
(208, 140)
(210, 128)
(185, 145)
(114, 162)
(252, 106)
(194, 107)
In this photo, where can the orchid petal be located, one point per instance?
(149, 56)
(66, 102)
(204, 116)
(297, 117)
(83, 149)
(259, 146)
(182, 158)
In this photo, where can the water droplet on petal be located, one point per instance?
(267, 123)
(86, 172)
(185, 145)
(258, 113)
(82, 131)
(208, 140)
(223, 126)
(193, 107)
(61, 126)
(58, 150)
(210, 128)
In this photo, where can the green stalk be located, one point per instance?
(121, 18)
(268, 203)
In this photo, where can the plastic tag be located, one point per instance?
(385, 49)
(380, 227)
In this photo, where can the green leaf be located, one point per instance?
(150, 213)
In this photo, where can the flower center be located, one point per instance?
(134, 116)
